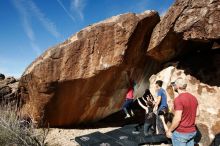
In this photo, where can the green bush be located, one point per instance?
(14, 131)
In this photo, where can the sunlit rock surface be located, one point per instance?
(188, 25)
(85, 78)
(208, 97)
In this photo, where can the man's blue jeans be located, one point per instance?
(183, 139)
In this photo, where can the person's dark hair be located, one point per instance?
(159, 83)
(131, 83)
(147, 91)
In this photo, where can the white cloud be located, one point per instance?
(66, 11)
(27, 27)
(78, 7)
(25, 17)
(25, 9)
(48, 24)
(36, 48)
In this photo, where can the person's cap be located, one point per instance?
(180, 82)
(172, 83)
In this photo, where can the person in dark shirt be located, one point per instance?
(149, 118)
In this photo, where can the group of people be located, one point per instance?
(185, 109)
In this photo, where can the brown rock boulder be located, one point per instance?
(2, 76)
(186, 24)
(8, 89)
(84, 79)
(4, 90)
(207, 96)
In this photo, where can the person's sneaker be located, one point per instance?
(132, 114)
(135, 132)
(128, 116)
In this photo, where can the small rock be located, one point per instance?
(10, 80)
(5, 90)
(2, 77)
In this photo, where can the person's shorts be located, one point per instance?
(163, 111)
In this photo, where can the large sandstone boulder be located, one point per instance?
(188, 37)
(208, 97)
(188, 25)
(84, 79)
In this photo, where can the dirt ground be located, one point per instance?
(65, 137)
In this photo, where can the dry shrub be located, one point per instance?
(15, 131)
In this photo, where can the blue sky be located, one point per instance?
(29, 27)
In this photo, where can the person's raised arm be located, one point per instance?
(144, 107)
(151, 97)
(144, 100)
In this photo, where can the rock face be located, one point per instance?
(188, 25)
(207, 96)
(188, 37)
(8, 88)
(85, 78)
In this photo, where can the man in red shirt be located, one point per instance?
(183, 130)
